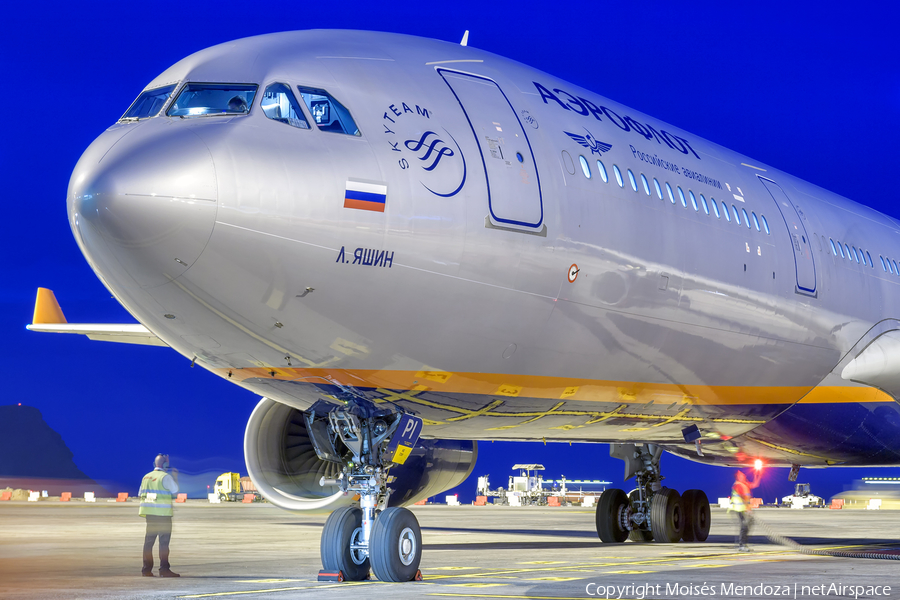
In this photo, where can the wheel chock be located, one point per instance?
(418, 576)
(331, 576)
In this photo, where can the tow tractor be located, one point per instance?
(802, 497)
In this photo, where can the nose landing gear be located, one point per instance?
(650, 511)
(373, 535)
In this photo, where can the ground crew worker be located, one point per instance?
(740, 504)
(157, 489)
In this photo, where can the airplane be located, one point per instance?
(403, 245)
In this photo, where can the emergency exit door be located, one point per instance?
(510, 172)
(800, 244)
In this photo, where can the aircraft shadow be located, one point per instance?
(579, 533)
(759, 540)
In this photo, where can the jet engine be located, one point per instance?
(284, 466)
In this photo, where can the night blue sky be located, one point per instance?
(811, 90)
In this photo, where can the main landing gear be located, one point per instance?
(650, 511)
(373, 535)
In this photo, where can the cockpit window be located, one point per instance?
(328, 113)
(148, 104)
(279, 104)
(198, 99)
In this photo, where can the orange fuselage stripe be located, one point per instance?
(535, 386)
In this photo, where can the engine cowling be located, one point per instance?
(284, 466)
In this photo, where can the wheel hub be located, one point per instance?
(407, 545)
(358, 551)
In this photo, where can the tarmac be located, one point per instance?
(76, 550)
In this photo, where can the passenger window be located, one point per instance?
(841, 249)
(328, 113)
(890, 267)
(725, 212)
(279, 104)
(602, 170)
(693, 200)
(705, 205)
(765, 223)
(869, 256)
(847, 248)
(646, 184)
(737, 217)
(681, 197)
(833, 249)
(855, 255)
(148, 104)
(715, 207)
(618, 176)
(756, 223)
(206, 99)
(584, 167)
(632, 180)
(746, 219)
(658, 189)
(883, 266)
(896, 270)
(669, 191)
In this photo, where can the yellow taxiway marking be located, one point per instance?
(544, 562)
(267, 580)
(556, 569)
(477, 585)
(273, 590)
(703, 566)
(626, 572)
(449, 568)
(553, 578)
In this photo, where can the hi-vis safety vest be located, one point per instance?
(161, 506)
(737, 500)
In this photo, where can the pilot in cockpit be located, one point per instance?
(237, 105)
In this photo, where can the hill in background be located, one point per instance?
(34, 456)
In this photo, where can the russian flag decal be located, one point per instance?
(363, 195)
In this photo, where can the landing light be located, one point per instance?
(758, 465)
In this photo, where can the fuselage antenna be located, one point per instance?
(465, 40)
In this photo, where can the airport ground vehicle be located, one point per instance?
(231, 487)
(802, 497)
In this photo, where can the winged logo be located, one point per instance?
(588, 141)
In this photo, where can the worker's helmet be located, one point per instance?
(161, 462)
(739, 476)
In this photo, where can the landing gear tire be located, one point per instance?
(395, 547)
(341, 532)
(610, 516)
(697, 516)
(666, 516)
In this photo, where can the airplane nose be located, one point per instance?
(146, 207)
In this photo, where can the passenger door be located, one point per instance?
(513, 186)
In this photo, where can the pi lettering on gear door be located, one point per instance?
(513, 187)
(800, 243)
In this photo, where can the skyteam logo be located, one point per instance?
(431, 153)
(433, 146)
(588, 141)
